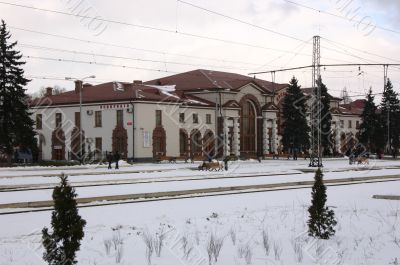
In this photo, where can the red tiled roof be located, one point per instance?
(210, 80)
(156, 90)
(107, 92)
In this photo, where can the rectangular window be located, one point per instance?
(357, 124)
(120, 117)
(158, 118)
(58, 119)
(39, 121)
(77, 119)
(99, 144)
(195, 118)
(97, 119)
(350, 124)
(342, 124)
(208, 118)
(182, 117)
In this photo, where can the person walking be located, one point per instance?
(117, 157)
(295, 153)
(109, 157)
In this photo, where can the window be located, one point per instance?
(77, 119)
(97, 119)
(39, 121)
(158, 118)
(208, 118)
(99, 144)
(58, 119)
(342, 124)
(350, 124)
(120, 117)
(195, 118)
(357, 124)
(182, 117)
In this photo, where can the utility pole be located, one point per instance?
(80, 81)
(316, 106)
(385, 78)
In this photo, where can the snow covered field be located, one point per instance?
(256, 228)
(367, 232)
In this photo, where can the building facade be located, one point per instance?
(197, 114)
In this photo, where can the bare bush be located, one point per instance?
(214, 246)
(158, 242)
(197, 237)
(248, 255)
(187, 247)
(119, 253)
(298, 251)
(116, 239)
(232, 233)
(240, 251)
(148, 241)
(277, 250)
(107, 246)
(266, 242)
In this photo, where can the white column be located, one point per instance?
(265, 135)
(227, 151)
(275, 140)
(236, 137)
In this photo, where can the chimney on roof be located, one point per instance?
(78, 86)
(137, 82)
(87, 85)
(49, 91)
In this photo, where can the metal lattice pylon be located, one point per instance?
(316, 106)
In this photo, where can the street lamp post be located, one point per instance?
(80, 114)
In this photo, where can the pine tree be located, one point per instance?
(390, 105)
(368, 128)
(296, 129)
(322, 220)
(326, 118)
(16, 124)
(62, 244)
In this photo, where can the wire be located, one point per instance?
(147, 27)
(242, 21)
(123, 57)
(96, 63)
(359, 50)
(341, 17)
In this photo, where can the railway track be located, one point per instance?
(38, 206)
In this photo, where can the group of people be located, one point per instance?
(113, 158)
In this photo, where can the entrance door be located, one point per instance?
(248, 129)
(159, 142)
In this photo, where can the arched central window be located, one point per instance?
(248, 128)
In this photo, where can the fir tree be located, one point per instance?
(62, 244)
(296, 130)
(390, 106)
(321, 221)
(16, 124)
(368, 127)
(326, 118)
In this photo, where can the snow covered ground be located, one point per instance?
(367, 233)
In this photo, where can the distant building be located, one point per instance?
(195, 114)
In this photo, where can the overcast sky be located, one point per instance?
(149, 53)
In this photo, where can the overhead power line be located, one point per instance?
(148, 27)
(242, 21)
(97, 63)
(325, 65)
(341, 17)
(125, 57)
